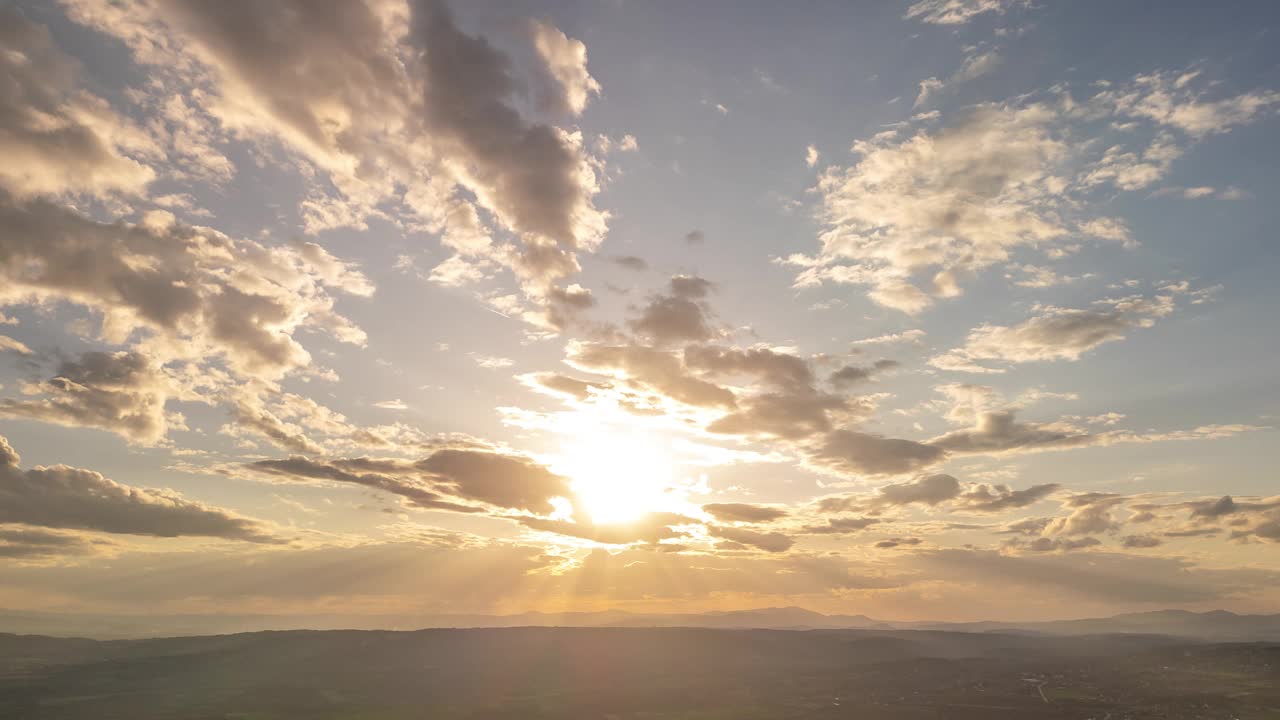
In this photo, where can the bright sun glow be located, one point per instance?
(619, 477)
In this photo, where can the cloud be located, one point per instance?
(1045, 544)
(566, 60)
(678, 316)
(651, 528)
(958, 12)
(399, 109)
(396, 404)
(631, 262)
(1056, 333)
(453, 479)
(695, 237)
(1141, 541)
(565, 306)
(649, 368)
(927, 490)
(1040, 276)
(977, 65)
(842, 525)
(986, 498)
(928, 88)
(744, 512)
(852, 374)
(491, 362)
(779, 369)
(1170, 99)
(898, 542)
(531, 176)
(120, 392)
(1091, 513)
(856, 453)
(935, 207)
(795, 414)
(19, 542)
(1098, 576)
(71, 498)
(55, 137)
(811, 156)
(790, 408)
(915, 217)
(387, 476)
(563, 385)
(498, 479)
(999, 431)
(774, 542)
(8, 344)
(192, 292)
(907, 336)
(1249, 518)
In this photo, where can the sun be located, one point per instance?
(619, 477)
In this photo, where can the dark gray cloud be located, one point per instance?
(780, 369)
(387, 476)
(853, 374)
(529, 174)
(744, 512)
(898, 542)
(1141, 541)
(120, 392)
(565, 305)
(927, 489)
(631, 262)
(71, 498)
(794, 409)
(658, 370)
(452, 479)
(507, 481)
(18, 542)
(858, 453)
(790, 415)
(939, 488)
(199, 294)
(565, 385)
(840, 525)
(1054, 544)
(678, 317)
(984, 497)
(774, 542)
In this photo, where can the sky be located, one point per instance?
(942, 309)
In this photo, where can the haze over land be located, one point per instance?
(402, 313)
(637, 673)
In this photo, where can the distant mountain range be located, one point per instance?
(1218, 625)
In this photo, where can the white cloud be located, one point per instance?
(958, 12)
(1057, 333)
(55, 137)
(566, 60)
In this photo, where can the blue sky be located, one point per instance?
(854, 294)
